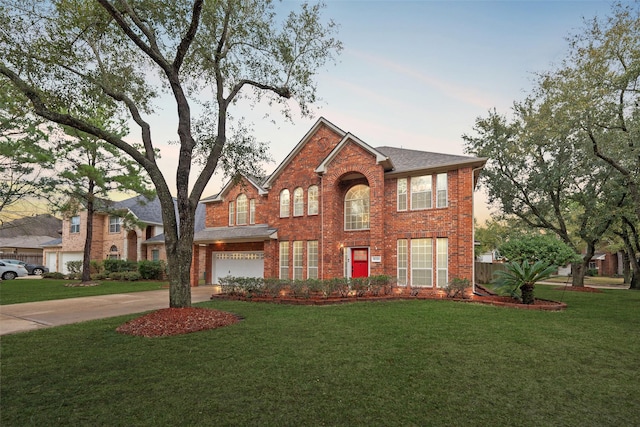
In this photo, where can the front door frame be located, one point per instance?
(349, 260)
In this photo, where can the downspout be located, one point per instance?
(322, 228)
(473, 230)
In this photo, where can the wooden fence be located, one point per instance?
(28, 258)
(485, 270)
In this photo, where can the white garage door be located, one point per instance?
(237, 264)
(52, 261)
(69, 256)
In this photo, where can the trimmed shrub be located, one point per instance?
(117, 265)
(130, 276)
(151, 270)
(54, 275)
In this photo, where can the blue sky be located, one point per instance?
(417, 74)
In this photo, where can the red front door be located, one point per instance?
(359, 262)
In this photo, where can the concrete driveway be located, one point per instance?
(44, 314)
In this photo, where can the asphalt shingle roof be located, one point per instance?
(405, 160)
(254, 232)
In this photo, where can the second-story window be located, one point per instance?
(284, 203)
(232, 210)
(241, 210)
(441, 190)
(356, 208)
(252, 211)
(421, 192)
(298, 202)
(114, 224)
(75, 224)
(402, 194)
(312, 200)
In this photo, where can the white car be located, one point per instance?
(11, 271)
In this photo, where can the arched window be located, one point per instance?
(284, 203)
(298, 202)
(241, 210)
(312, 200)
(356, 208)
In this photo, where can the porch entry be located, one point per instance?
(359, 262)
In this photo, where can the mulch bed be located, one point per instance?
(176, 321)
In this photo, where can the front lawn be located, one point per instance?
(396, 363)
(29, 290)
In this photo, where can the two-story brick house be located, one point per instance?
(112, 237)
(337, 207)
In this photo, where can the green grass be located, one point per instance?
(29, 290)
(400, 363)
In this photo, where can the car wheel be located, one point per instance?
(9, 275)
(37, 271)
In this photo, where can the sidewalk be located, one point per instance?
(43, 314)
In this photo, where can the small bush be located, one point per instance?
(151, 270)
(125, 275)
(54, 275)
(117, 265)
(456, 287)
(74, 267)
(96, 267)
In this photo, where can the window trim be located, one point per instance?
(398, 194)
(298, 260)
(442, 254)
(283, 261)
(115, 224)
(439, 190)
(252, 211)
(313, 201)
(402, 263)
(242, 198)
(366, 225)
(232, 214)
(298, 202)
(428, 192)
(312, 259)
(74, 227)
(285, 207)
(428, 261)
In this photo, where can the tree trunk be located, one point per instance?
(626, 267)
(527, 293)
(86, 256)
(578, 270)
(634, 283)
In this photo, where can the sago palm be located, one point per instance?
(523, 277)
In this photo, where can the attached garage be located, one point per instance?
(237, 264)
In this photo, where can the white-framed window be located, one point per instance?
(442, 262)
(421, 192)
(422, 262)
(402, 194)
(356, 208)
(75, 224)
(241, 209)
(232, 210)
(297, 260)
(402, 262)
(312, 200)
(298, 202)
(284, 203)
(252, 211)
(114, 224)
(441, 190)
(312, 259)
(284, 260)
(155, 254)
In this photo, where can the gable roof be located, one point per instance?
(148, 211)
(37, 225)
(407, 161)
(232, 183)
(320, 122)
(349, 137)
(198, 225)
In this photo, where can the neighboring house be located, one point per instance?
(337, 207)
(23, 238)
(113, 236)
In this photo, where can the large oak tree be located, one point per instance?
(75, 55)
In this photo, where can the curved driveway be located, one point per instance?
(43, 314)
